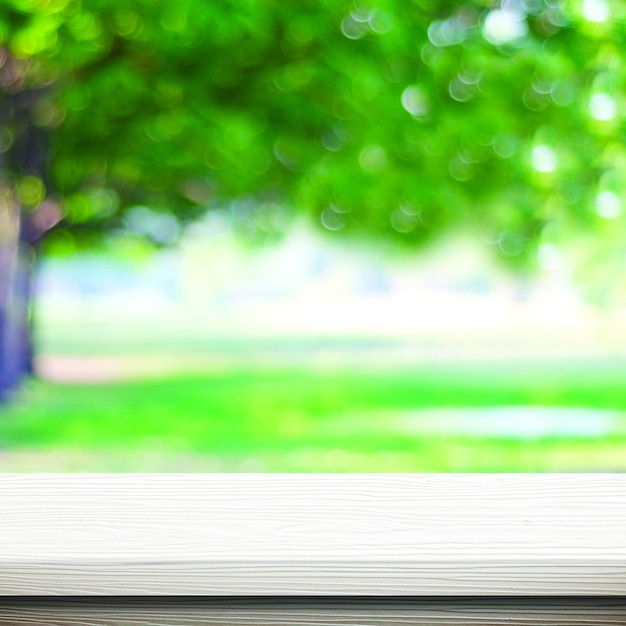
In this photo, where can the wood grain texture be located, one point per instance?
(307, 612)
(307, 534)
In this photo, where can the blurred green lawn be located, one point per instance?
(192, 393)
(298, 419)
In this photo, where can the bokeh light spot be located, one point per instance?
(414, 101)
(373, 158)
(504, 146)
(504, 26)
(460, 90)
(595, 10)
(380, 22)
(6, 139)
(452, 31)
(30, 190)
(333, 220)
(562, 93)
(602, 107)
(460, 170)
(403, 222)
(352, 28)
(543, 159)
(608, 205)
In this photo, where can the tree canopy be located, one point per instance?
(394, 117)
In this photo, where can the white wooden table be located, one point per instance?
(305, 548)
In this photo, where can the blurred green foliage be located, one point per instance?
(397, 118)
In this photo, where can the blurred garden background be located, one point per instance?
(321, 236)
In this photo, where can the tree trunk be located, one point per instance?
(20, 231)
(10, 368)
(23, 305)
